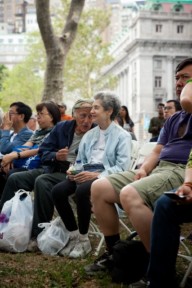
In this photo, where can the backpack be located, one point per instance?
(130, 261)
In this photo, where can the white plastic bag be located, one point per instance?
(53, 238)
(16, 222)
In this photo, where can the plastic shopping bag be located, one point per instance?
(53, 238)
(16, 222)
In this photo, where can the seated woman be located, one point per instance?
(108, 145)
(48, 115)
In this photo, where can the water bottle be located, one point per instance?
(78, 167)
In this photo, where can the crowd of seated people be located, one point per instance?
(93, 137)
(137, 191)
(48, 115)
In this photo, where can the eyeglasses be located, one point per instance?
(168, 108)
(40, 114)
(12, 113)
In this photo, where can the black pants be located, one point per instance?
(60, 195)
(2, 182)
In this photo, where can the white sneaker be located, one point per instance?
(69, 247)
(81, 249)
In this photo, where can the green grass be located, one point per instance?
(37, 270)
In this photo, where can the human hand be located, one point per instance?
(85, 176)
(141, 173)
(6, 168)
(61, 155)
(8, 158)
(185, 190)
(7, 122)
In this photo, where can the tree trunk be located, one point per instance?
(57, 47)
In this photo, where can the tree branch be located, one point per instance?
(44, 22)
(73, 18)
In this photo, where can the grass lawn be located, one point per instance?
(37, 270)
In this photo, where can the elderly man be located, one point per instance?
(57, 151)
(137, 191)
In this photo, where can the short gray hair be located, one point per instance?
(109, 100)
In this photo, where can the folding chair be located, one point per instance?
(144, 151)
(134, 152)
(94, 229)
(188, 257)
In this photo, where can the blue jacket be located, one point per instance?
(22, 137)
(117, 153)
(60, 137)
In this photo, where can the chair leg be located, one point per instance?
(189, 269)
(94, 230)
(187, 257)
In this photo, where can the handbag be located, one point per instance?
(28, 162)
(16, 222)
(53, 238)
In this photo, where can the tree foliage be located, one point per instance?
(83, 66)
(88, 55)
(21, 84)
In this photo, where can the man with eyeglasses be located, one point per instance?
(171, 106)
(57, 151)
(15, 131)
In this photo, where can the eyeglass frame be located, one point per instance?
(40, 114)
(168, 108)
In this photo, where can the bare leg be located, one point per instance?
(103, 197)
(139, 214)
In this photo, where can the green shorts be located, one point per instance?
(165, 177)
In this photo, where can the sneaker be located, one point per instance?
(32, 246)
(69, 247)
(101, 264)
(81, 249)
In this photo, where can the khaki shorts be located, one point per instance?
(165, 177)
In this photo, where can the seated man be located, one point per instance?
(57, 151)
(167, 219)
(165, 233)
(137, 191)
(14, 131)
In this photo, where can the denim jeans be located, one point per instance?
(165, 239)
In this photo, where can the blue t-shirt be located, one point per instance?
(176, 149)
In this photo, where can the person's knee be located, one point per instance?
(12, 178)
(42, 186)
(129, 197)
(58, 193)
(99, 188)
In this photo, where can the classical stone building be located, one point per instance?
(159, 36)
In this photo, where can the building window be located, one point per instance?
(158, 81)
(157, 64)
(158, 28)
(179, 29)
